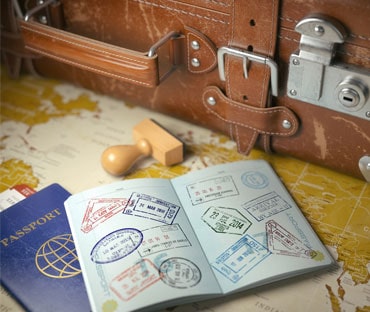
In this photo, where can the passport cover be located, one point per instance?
(39, 264)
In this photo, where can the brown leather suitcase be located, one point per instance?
(288, 76)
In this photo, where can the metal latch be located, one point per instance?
(315, 78)
(247, 57)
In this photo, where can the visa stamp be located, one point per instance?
(149, 207)
(282, 242)
(135, 279)
(236, 261)
(212, 189)
(116, 245)
(266, 206)
(255, 179)
(180, 273)
(161, 238)
(226, 220)
(99, 210)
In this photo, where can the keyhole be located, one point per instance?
(349, 97)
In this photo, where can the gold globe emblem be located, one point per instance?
(57, 257)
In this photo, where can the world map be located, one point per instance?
(55, 132)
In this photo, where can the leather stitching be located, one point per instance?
(291, 20)
(245, 108)
(366, 57)
(67, 61)
(250, 142)
(83, 46)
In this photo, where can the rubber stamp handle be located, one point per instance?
(120, 158)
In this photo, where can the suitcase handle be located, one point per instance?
(95, 56)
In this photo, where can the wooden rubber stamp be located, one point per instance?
(151, 140)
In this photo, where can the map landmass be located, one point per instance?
(337, 206)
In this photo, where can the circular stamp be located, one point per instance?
(179, 273)
(255, 179)
(116, 245)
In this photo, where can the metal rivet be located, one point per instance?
(211, 100)
(364, 166)
(195, 62)
(286, 124)
(43, 19)
(293, 92)
(195, 45)
(319, 30)
(367, 114)
(296, 61)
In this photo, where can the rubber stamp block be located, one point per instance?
(151, 140)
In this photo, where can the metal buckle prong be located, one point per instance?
(248, 56)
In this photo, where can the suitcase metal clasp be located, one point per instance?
(315, 78)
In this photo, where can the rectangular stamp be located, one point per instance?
(161, 238)
(99, 210)
(226, 220)
(282, 242)
(149, 207)
(135, 279)
(208, 190)
(236, 261)
(266, 206)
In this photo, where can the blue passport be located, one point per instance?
(39, 264)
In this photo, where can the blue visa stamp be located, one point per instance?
(149, 207)
(236, 261)
(255, 179)
(116, 245)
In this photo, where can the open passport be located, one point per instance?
(155, 243)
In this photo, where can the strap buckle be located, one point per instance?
(248, 56)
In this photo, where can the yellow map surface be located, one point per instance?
(54, 132)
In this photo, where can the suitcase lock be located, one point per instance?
(315, 78)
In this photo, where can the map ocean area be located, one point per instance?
(158, 242)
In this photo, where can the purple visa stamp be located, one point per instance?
(116, 245)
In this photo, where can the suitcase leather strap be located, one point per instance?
(139, 68)
(243, 110)
(254, 29)
(259, 120)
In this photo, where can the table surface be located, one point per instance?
(55, 132)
